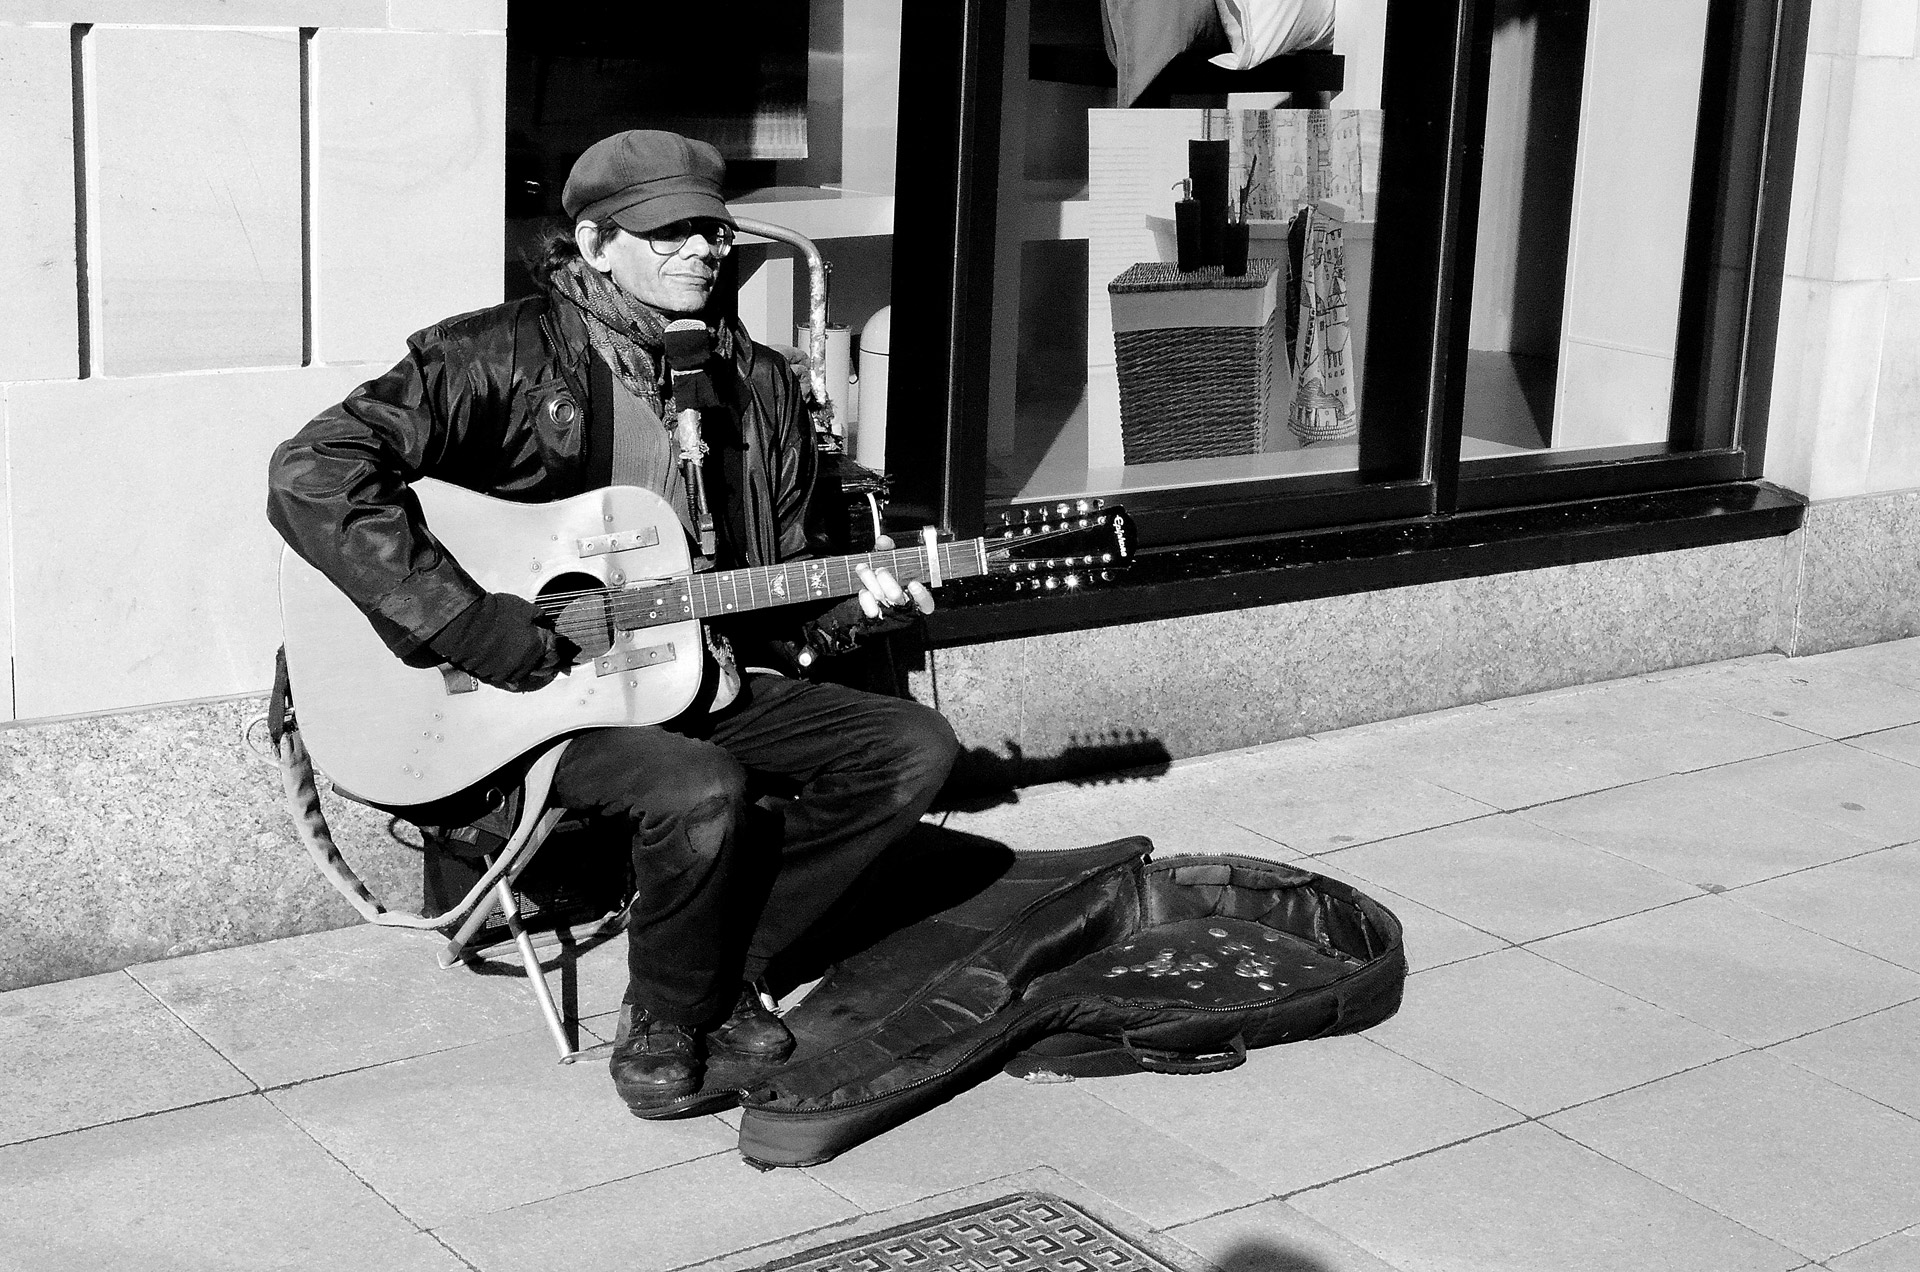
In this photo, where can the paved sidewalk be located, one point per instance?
(1665, 1014)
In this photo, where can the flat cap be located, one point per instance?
(644, 179)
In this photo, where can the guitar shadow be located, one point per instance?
(985, 778)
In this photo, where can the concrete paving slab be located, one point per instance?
(1826, 698)
(1592, 737)
(1274, 1237)
(1299, 1115)
(1901, 744)
(1510, 877)
(231, 1185)
(1895, 661)
(1701, 828)
(1835, 783)
(1731, 968)
(1674, 732)
(1877, 1056)
(1508, 757)
(99, 1049)
(668, 1218)
(307, 1006)
(1537, 1037)
(1007, 1125)
(487, 1127)
(1317, 798)
(1897, 1253)
(1526, 1200)
(1871, 902)
(1779, 1150)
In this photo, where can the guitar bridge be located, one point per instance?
(602, 544)
(457, 681)
(612, 664)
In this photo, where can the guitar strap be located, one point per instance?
(640, 451)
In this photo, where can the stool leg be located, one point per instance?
(536, 975)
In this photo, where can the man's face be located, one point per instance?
(677, 283)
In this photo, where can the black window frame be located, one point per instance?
(1731, 275)
(1412, 512)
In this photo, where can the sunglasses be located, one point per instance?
(669, 239)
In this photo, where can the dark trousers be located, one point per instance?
(722, 883)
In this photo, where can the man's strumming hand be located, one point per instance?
(505, 641)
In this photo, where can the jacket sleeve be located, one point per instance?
(337, 492)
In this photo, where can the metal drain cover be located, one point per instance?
(1031, 1232)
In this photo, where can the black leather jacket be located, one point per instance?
(480, 401)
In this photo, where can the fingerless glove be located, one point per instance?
(505, 641)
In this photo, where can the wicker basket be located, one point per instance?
(1195, 354)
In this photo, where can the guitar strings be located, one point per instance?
(577, 617)
(581, 623)
(879, 560)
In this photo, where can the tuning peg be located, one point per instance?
(1072, 580)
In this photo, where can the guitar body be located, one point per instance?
(394, 734)
(611, 568)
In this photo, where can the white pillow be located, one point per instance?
(1261, 29)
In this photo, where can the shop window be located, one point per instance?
(1498, 253)
(1622, 143)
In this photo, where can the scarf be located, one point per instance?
(628, 334)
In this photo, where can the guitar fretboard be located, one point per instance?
(764, 586)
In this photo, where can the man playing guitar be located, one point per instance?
(570, 391)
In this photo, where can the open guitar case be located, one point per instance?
(1080, 962)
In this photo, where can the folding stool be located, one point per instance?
(492, 894)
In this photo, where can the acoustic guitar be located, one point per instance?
(613, 569)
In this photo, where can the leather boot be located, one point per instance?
(655, 1064)
(752, 1032)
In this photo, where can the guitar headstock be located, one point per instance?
(1060, 546)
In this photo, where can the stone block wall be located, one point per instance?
(1845, 416)
(222, 217)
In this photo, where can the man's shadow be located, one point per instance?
(927, 872)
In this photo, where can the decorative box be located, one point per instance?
(1195, 353)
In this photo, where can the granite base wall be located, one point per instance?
(1048, 707)
(1857, 580)
(131, 837)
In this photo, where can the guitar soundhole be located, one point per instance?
(578, 604)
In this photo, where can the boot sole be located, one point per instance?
(695, 1105)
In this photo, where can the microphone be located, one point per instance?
(688, 346)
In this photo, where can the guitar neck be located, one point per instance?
(721, 592)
